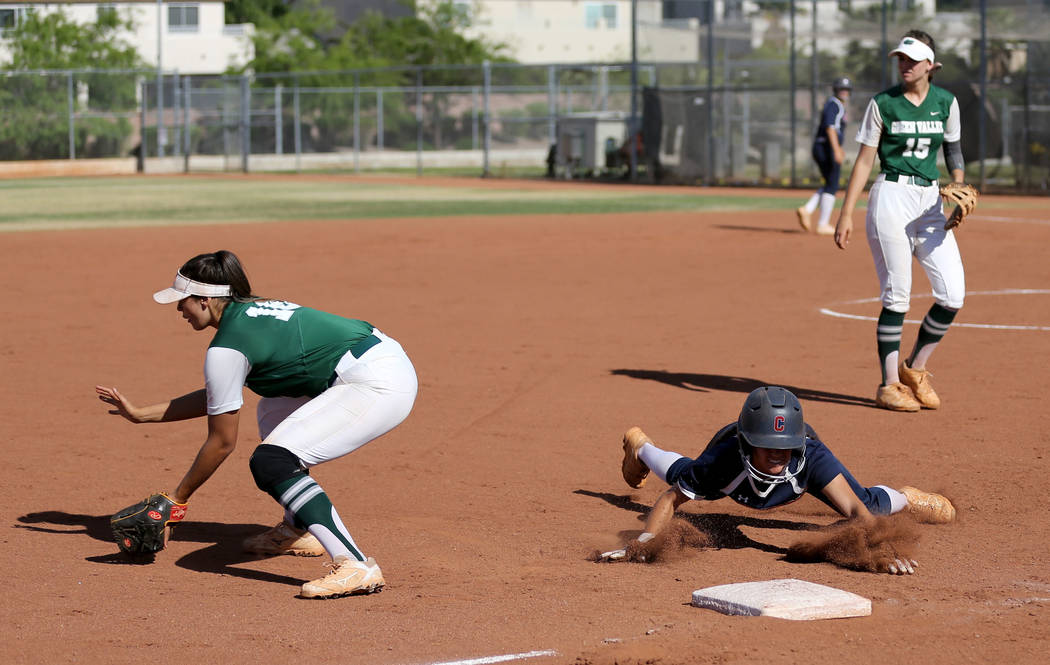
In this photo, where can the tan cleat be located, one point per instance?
(805, 219)
(825, 230)
(919, 382)
(927, 507)
(284, 539)
(634, 470)
(348, 577)
(896, 397)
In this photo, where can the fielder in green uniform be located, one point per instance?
(905, 126)
(329, 385)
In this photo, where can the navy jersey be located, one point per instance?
(720, 472)
(834, 116)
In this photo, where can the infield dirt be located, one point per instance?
(538, 342)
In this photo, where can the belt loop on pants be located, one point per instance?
(357, 350)
(907, 179)
(359, 347)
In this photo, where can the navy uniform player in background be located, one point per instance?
(767, 458)
(828, 155)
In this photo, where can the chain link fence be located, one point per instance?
(735, 101)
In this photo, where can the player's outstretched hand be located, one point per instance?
(901, 566)
(121, 405)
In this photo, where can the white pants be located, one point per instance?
(370, 396)
(905, 220)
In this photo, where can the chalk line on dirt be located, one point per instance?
(499, 659)
(987, 326)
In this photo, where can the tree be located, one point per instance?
(35, 121)
(307, 40)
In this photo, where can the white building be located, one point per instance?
(194, 37)
(549, 31)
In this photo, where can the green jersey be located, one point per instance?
(908, 136)
(292, 351)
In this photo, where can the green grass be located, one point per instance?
(91, 202)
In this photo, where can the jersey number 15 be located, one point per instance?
(917, 148)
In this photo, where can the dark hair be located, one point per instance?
(221, 267)
(923, 37)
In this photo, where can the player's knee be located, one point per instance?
(953, 300)
(898, 303)
(271, 465)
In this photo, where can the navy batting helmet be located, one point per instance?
(842, 83)
(772, 418)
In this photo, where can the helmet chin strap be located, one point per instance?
(785, 476)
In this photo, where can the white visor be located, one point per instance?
(185, 287)
(914, 49)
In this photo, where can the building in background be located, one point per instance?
(549, 31)
(194, 36)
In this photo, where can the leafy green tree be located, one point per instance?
(307, 40)
(35, 121)
(259, 12)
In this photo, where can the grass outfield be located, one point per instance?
(56, 203)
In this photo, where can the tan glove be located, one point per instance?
(964, 197)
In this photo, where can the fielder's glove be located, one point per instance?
(965, 199)
(139, 529)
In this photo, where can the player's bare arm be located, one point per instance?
(839, 493)
(857, 180)
(190, 405)
(663, 512)
(221, 441)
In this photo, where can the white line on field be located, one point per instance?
(987, 326)
(499, 659)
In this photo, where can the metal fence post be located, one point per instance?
(884, 51)
(186, 143)
(814, 73)
(419, 121)
(710, 112)
(474, 117)
(552, 105)
(486, 70)
(297, 128)
(982, 115)
(246, 119)
(278, 120)
(794, 120)
(379, 119)
(176, 111)
(357, 122)
(140, 166)
(72, 128)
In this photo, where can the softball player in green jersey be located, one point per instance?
(905, 126)
(328, 384)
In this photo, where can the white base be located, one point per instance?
(784, 599)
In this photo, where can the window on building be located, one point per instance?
(596, 14)
(12, 17)
(183, 18)
(105, 11)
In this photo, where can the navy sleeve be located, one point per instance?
(829, 118)
(821, 465)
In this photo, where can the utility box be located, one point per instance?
(584, 140)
